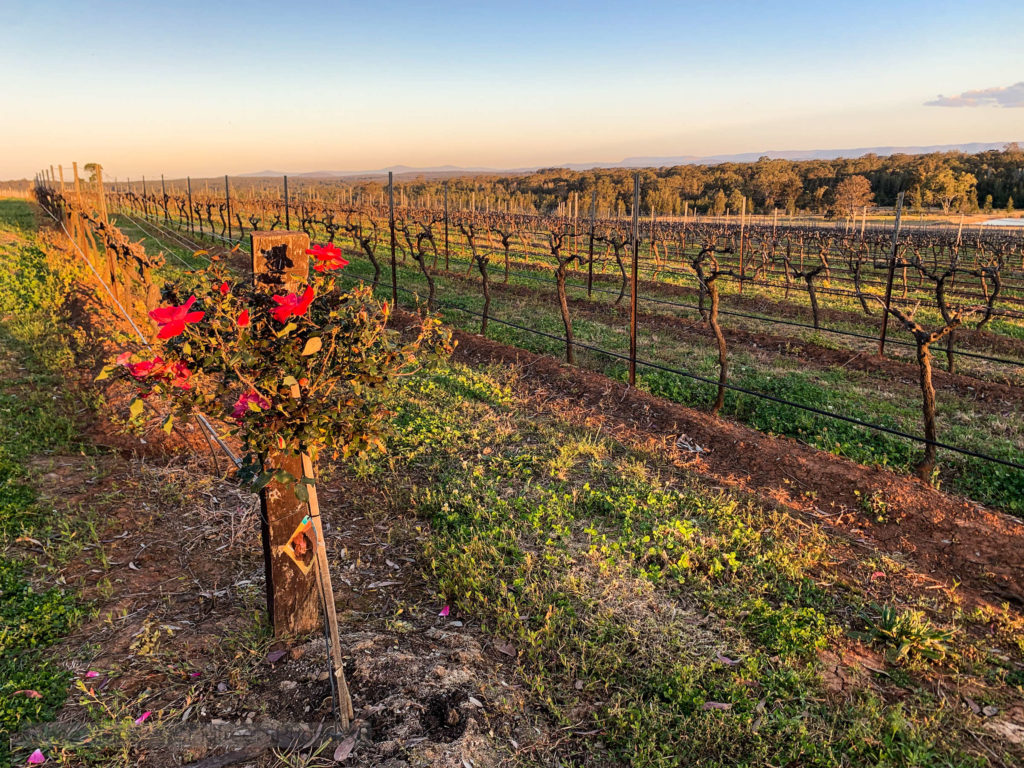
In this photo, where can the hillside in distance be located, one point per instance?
(654, 161)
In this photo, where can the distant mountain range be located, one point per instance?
(653, 162)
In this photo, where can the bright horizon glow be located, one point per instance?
(204, 88)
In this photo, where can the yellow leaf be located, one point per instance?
(313, 346)
(136, 408)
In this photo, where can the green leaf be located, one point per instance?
(286, 330)
(262, 480)
(301, 492)
(136, 407)
(290, 381)
(313, 346)
(186, 348)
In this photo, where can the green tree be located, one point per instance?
(735, 203)
(93, 169)
(718, 203)
(852, 194)
(949, 188)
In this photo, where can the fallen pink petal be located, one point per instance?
(91, 674)
(30, 693)
(143, 717)
(445, 611)
(37, 758)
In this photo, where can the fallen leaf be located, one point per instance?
(716, 705)
(877, 575)
(30, 693)
(313, 346)
(506, 648)
(727, 660)
(476, 702)
(379, 584)
(344, 749)
(990, 711)
(274, 656)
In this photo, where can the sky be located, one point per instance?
(207, 88)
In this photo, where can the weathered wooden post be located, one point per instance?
(280, 265)
(743, 221)
(294, 552)
(101, 194)
(391, 224)
(892, 274)
(634, 294)
(590, 246)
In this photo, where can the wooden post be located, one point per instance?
(892, 274)
(634, 293)
(446, 226)
(280, 264)
(391, 223)
(78, 186)
(743, 219)
(590, 246)
(188, 188)
(227, 203)
(102, 195)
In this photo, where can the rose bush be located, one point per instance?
(306, 371)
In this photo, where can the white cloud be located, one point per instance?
(1010, 96)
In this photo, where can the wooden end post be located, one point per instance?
(280, 264)
(634, 294)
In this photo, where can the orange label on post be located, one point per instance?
(301, 546)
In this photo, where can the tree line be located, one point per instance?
(950, 181)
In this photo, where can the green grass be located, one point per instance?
(675, 624)
(36, 418)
